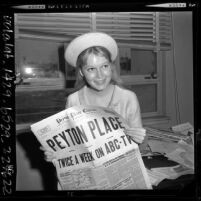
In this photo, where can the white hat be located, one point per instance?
(87, 40)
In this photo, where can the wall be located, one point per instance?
(179, 67)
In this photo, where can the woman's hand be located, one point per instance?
(138, 134)
(49, 155)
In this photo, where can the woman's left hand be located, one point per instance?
(138, 134)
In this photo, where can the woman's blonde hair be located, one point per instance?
(82, 59)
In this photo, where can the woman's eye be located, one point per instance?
(90, 69)
(106, 66)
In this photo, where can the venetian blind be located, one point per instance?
(139, 29)
(53, 26)
(165, 29)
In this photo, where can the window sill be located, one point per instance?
(39, 88)
(23, 128)
(158, 120)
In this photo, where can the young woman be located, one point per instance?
(93, 55)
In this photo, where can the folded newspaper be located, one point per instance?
(92, 150)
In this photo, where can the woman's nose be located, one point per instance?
(99, 73)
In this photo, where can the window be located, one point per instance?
(142, 37)
(40, 38)
(140, 71)
(37, 64)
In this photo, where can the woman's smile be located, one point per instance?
(102, 81)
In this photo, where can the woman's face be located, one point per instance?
(97, 72)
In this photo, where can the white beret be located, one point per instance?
(82, 42)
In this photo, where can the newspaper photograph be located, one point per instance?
(92, 151)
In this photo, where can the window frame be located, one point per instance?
(138, 79)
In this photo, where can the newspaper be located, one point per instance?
(159, 174)
(92, 150)
(185, 128)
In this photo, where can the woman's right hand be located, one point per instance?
(138, 134)
(49, 156)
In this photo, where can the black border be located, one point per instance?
(7, 96)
